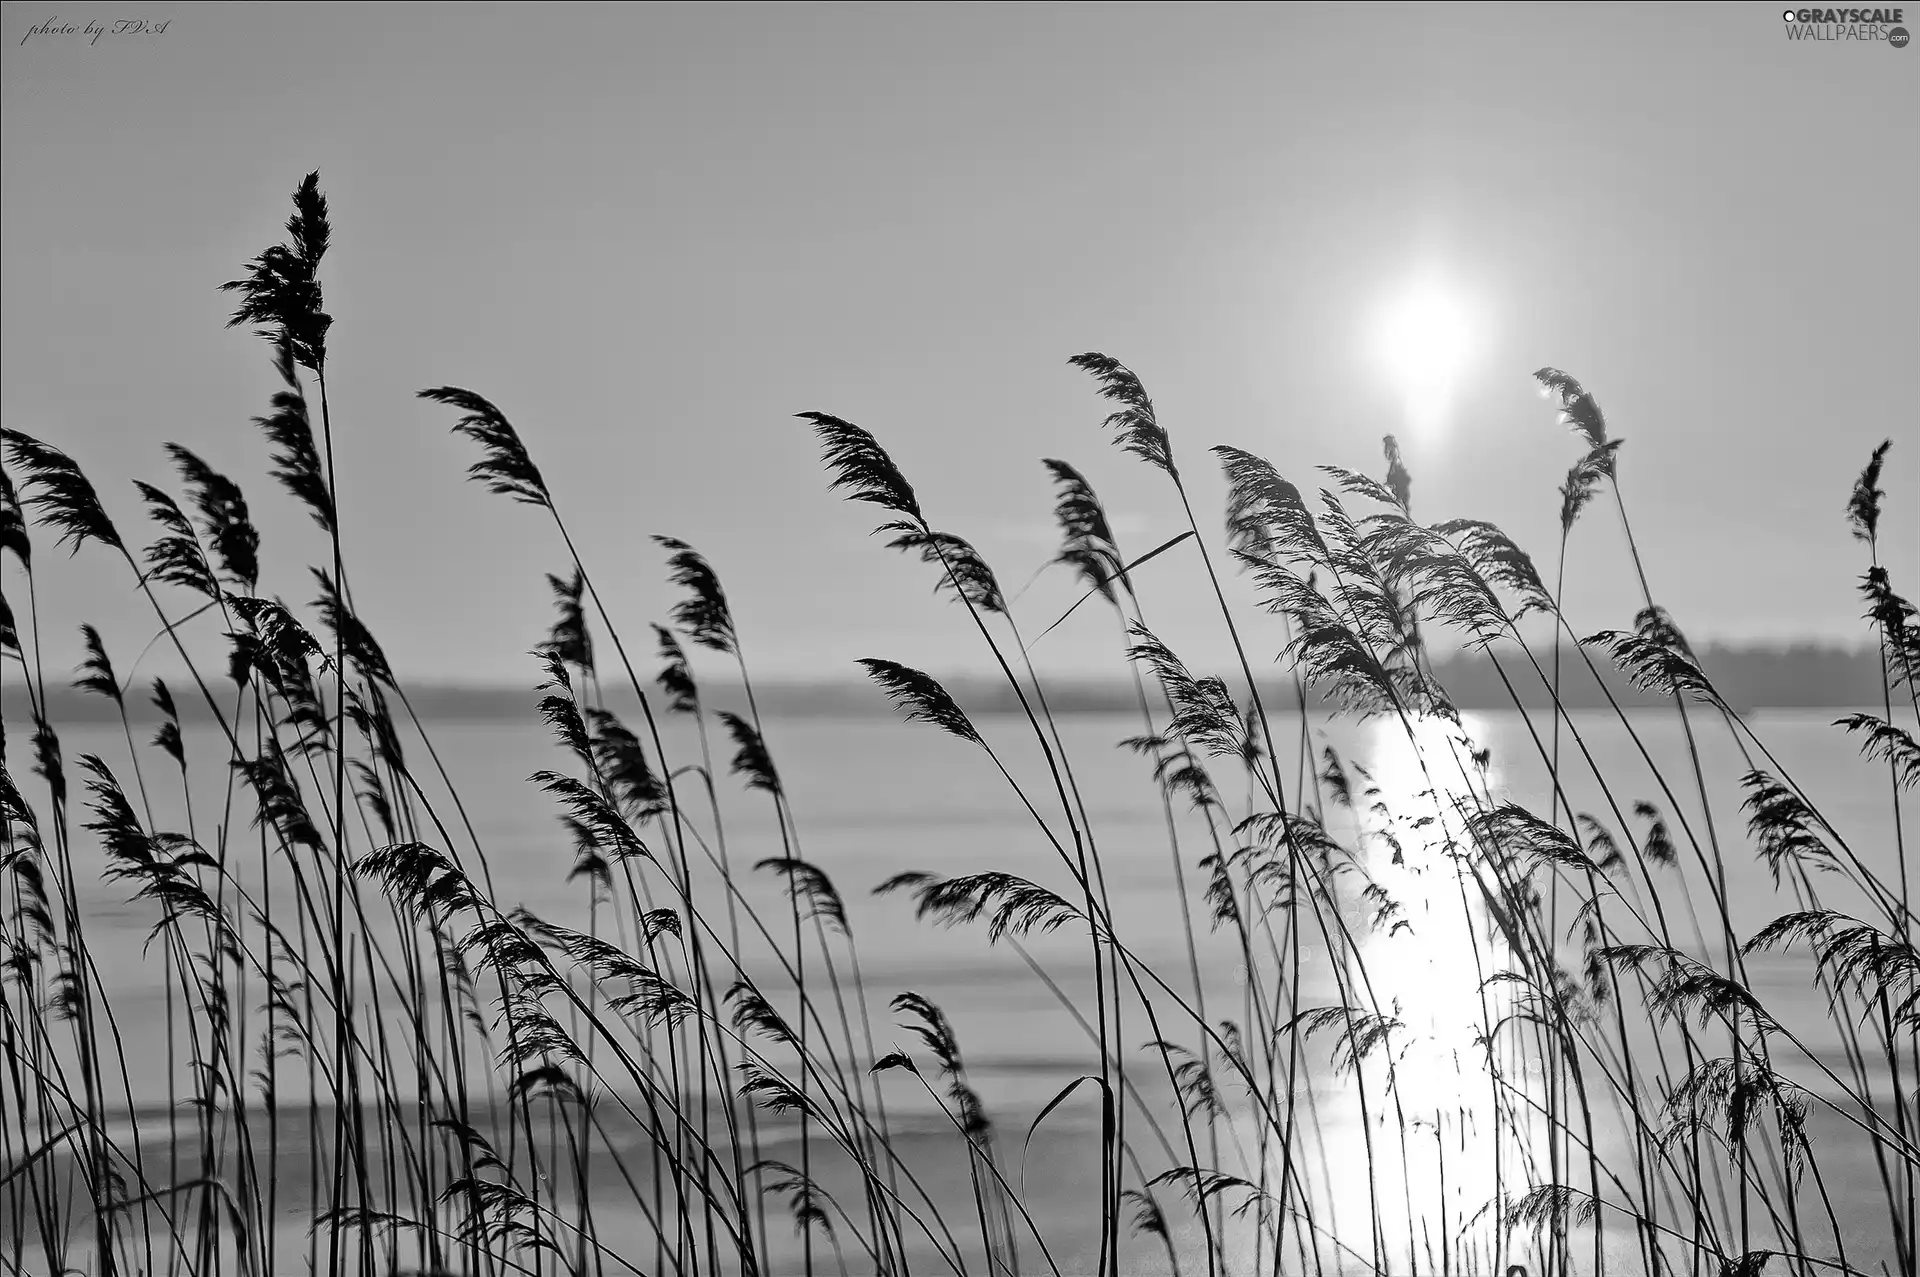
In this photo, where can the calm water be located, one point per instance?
(873, 798)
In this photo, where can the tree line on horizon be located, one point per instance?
(1758, 676)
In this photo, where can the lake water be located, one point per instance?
(872, 798)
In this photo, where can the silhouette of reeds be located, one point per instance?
(1414, 1025)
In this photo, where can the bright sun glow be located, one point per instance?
(1424, 339)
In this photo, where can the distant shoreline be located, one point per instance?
(1750, 678)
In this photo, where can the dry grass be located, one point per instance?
(376, 1064)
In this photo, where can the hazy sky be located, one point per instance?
(652, 235)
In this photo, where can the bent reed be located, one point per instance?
(376, 1063)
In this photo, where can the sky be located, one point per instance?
(652, 235)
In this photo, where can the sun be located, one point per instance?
(1423, 340)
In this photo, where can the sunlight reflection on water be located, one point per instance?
(1421, 969)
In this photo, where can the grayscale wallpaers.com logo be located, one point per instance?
(1847, 24)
